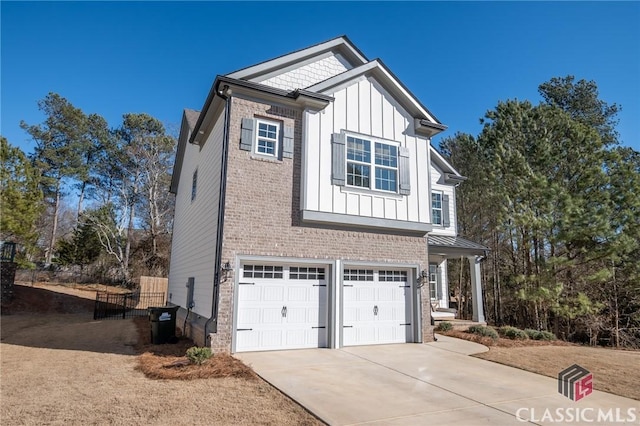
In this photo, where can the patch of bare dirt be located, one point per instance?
(67, 369)
(42, 298)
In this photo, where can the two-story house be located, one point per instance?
(311, 209)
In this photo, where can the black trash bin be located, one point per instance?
(163, 324)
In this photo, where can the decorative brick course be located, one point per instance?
(262, 218)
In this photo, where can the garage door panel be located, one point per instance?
(377, 310)
(272, 293)
(280, 313)
(366, 294)
(249, 316)
(298, 293)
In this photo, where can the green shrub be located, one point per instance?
(540, 335)
(513, 333)
(444, 326)
(481, 330)
(547, 335)
(198, 355)
(533, 334)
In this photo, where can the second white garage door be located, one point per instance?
(376, 307)
(281, 307)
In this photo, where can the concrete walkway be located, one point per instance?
(425, 384)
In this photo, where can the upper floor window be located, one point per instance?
(436, 208)
(362, 165)
(194, 184)
(267, 138)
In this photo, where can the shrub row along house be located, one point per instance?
(311, 209)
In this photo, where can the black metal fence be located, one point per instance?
(125, 305)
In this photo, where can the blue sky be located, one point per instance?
(458, 58)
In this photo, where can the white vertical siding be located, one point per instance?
(195, 223)
(364, 107)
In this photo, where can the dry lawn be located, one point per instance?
(614, 371)
(66, 369)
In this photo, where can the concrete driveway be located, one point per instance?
(427, 384)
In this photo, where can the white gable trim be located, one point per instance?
(384, 77)
(347, 50)
(449, 173)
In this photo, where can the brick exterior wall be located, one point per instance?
(262, 218)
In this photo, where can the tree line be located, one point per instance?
(550, 191)
(556, 198)
(120, 177)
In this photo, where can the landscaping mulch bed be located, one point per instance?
(168, 361)
(501, 342)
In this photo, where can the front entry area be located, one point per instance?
(281, 307)
(376, 307)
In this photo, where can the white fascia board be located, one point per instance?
(444, 165)
(388, 81)
(354, 221)
(301, 55)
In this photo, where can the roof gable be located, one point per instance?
(389, 81)
(449, 174)
(340, 47)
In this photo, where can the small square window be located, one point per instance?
(267, 138)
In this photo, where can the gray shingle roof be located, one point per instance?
(192, 117)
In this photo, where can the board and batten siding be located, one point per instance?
(437, 184)
(194, 229)
(364, 107)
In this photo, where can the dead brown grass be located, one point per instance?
(613, 371)
(67, 369)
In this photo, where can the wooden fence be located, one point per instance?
(155, 285)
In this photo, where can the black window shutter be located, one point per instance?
(404, 171)
(287, 142)
(338, 146)
(446, 222)
(246, 136)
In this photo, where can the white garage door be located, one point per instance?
(281, 307)
(376, 307)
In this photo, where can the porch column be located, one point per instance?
(476, 289)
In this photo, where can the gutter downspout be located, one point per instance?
(212, 322)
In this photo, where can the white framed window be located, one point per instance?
(267, 137)
(433, 280)
(372, 170)
(194, 185)
(436, 207)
